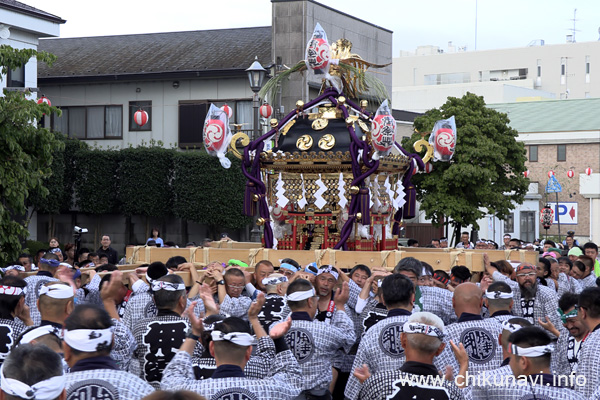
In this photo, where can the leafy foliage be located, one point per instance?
(485, 175)
(144, 180)
(52, 201)
(96, 184)
(207, 193)
(26, 154)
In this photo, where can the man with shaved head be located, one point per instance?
(478, 335)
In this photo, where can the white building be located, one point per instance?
(425, 79)
(21, 27)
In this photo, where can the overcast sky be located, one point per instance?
(500, 24)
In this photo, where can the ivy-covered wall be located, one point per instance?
(153, 182)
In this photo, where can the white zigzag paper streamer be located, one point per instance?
(341, 192)
(282, 201)
(399, 198)
(388, 188)
(319, 200)
(375, 193)
(302, 202)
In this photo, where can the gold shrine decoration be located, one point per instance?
(419, 144)
(233, 144)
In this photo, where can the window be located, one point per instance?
(533, 153)
(192, 115)
(94, 122)
(140, 105)
(528, 222)
(509, 223)
(561, 152)
(563, 71)
(16, 77)
(191, 122)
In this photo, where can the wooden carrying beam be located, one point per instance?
(438, 258)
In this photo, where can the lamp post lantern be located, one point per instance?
(256, 75)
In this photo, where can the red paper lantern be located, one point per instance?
(526, 174)
(588, 171)
(550, 174)
(570, 173)
(265, 110)
(383, 133)
(44, 99)
(428, 168)
(318, 53)
(214, 134)
(227, 110)
(140, 117)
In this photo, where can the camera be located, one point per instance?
(80, 230)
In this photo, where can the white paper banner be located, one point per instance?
(342, 192)
(319, 200)
(302, 202)
(282, 201)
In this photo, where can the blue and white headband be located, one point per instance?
(169, 286)
(418, 327)
(276, 280)
(328, 269)
(288, 266)
(11, 267)
(52, 263)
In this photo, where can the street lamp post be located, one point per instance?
(256, 75)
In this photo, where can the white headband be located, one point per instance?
(11, 290)
(39, 332)
(49, 389)
(57, 291)
(425, 272)
(328, 270)
(66, 265)
(274, 281)
(418, 327)
(170, 286)
(498, 295)
(239, 338)
(507, 326)
(536, 351)
(89, 340)
(299, 296)
(11, 267)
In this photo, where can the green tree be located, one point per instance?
(485, 176)
(26, 153)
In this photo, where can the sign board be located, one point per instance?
(567, 212)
